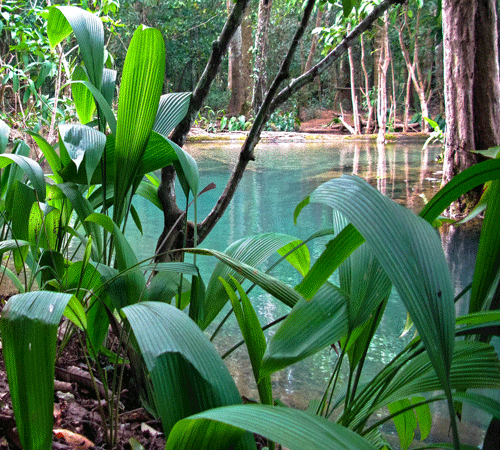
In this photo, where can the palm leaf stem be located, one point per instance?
(338, 366)
(264, 328)
(380, 310)
(401, 411)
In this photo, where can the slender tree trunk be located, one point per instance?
(354, 96)
(306, 94)
(472, 87)
(406, 116)
(240, 68)
(314, 42)
(260, 48)
(413, 65)
(246, 63)
(366, 92)
(383, 66)
(234, 81)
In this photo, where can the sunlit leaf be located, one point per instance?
(294, 429)
(29, 333)
(89, 33)
(140, 90)
(181, 361)
(82, 96)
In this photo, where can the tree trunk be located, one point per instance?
(305, 95)
(240, 69)
(314, 42)
(414, 65)
(246, 63)
(472, 87)
(234, 82)
(383, 66)
(260, 48)
(366, 92)
(406, 117)
(354, 96)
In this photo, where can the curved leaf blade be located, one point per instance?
(410, 252)
(29, 331)
(181, 361)
(140, 91)
(172, 109)
(89, 33)
(296, 430)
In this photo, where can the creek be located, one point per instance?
(279, 178)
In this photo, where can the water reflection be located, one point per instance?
(281, 176)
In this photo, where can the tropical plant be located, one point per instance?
(170, 355)
(283, 121)
(239, 123)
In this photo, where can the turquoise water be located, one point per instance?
(280, 177)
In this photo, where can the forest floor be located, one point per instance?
(323, 127)
(77, 422)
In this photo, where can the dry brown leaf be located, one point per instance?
(76, 441)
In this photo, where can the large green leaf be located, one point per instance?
(236, 261)
(43, 225)
(171, 110)
(18, 204)
(130, 285)
(83, 209)
(311, 326)
(336, 251)
(102, 101)
(460, 184)
(140, 90)
(474, 365)
(253, 336)
(78, 143)
(187, 171)
(29, 332)
(4, 135)
(410, 252)
(362, 279)
(294, 429)
(89, 33)
(32, 170)
(50, 155)
(187, 373)
(487, 267)
(13, 173)
(82, 96)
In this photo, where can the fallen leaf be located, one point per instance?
(74, 440)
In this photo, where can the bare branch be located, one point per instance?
(329, 59)
(253, 137)
(272, 102)
(166, 190)
(219, 49)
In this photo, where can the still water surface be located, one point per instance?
(279, 178)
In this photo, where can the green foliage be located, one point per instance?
(374, 244)
(283, 121)
(239, 124)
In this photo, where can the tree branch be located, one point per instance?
(272, 101)
(329, 59)
(219, 49)
(166, 190)
(247, 151)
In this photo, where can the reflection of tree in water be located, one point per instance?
(381, 168)
(460, 244)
